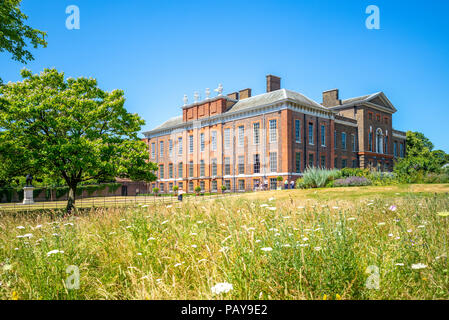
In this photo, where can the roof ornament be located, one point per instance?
(186, 100)
(207, 93)
(219, 89)
(196, 96)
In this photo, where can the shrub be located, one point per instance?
(354, 172)
(317, 178)
(156, 190)
(223, 188)
(197, 189)
(383, 178)
(351, 181)
(175, 188)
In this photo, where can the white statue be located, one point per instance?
(196, 96)
(186, 100)
(207, 93)
(219, 89)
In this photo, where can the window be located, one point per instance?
(162, 187)
(214, 185)
(353, 142)
(256, 137)
(354, 163)
(273, 131)
(273, 161)
(298, 131)
(214, 167)
(298, 162)
(227, 138)
(323, 135)
(343, 140)
(161, 146)
(241, 185)
(190, 186)
(228, 184)
(170, 147)
(370, 141)
(379, 141)
(401, 150)
(241, 164)
(395, 148)
(202, 168)
(273, 184)
(161, 171)
(180, 173)
(202, 185)
(170, 187)
(343, 163)
(256, 163)
(227, 163)
(311, 160)
(335, 162)
(153, 150)
(370, 115)
(170, 170)
(202, 144)
(323, 162)
(378, 117)
(256, 184)
(335, 139)
(241, 136)
(310, 133)
(386, 145)
(386, 120)
(214, 141)
(180, 185)
(190, 168)
(180, 145)
(191, 144)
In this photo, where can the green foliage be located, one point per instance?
(156, 190)
(279, 178)
(317, 178)
(223, 187)
(175, 188)
(71, 129)
(15, 34)
(197, 189)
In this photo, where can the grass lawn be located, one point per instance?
(340, 243)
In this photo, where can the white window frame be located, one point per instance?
(272, 124)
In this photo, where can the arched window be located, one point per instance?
(379, 141)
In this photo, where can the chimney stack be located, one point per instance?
(245, 93)
(234, 95)
(331, 98)
(273, 83)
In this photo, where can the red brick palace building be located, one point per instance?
(244, 141)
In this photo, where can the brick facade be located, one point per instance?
(244, 142)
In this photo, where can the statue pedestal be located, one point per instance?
(28, 195)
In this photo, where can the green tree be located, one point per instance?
(72, 129)
(15, 34)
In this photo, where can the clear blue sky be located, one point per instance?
(157, 51)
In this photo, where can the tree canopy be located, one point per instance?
(70, 128)
(15, 34)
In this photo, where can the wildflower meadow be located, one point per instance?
(345, 243)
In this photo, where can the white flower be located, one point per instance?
(128, 227)
(350, 219)
(194, 246)
(68, 224)
(222, 287)
(277, 234)
(202, 260)
(224, 249)
(300, 207)
(20, 227)
(286, 217)
(164, 222)
(266, 249)
(286, 245)
(194, 234)
(305, 239)
(272, 208)
(381, 224)
(38, 226)
(421, 226)
(335, 207)
(390, 234)
(399, 264)
(169, 206)
(393, 208)
(264, 205)
(257, 241)
(397, 238)
(418, 266)
(409, 230)
(304, 245)
(317, 248)
(271, 199)
(139, 254)
(55, 234)
(199, 222)
(54, 252)
(178, 264)
(151, 239)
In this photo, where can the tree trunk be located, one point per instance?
(71, 199)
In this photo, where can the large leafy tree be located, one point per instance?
(420, 157)
(15, 35)
(72, 129)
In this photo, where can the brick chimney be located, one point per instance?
(245, 93)
(234, 95)
(330, 98)
(273, 83)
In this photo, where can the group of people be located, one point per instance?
(264, 186)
